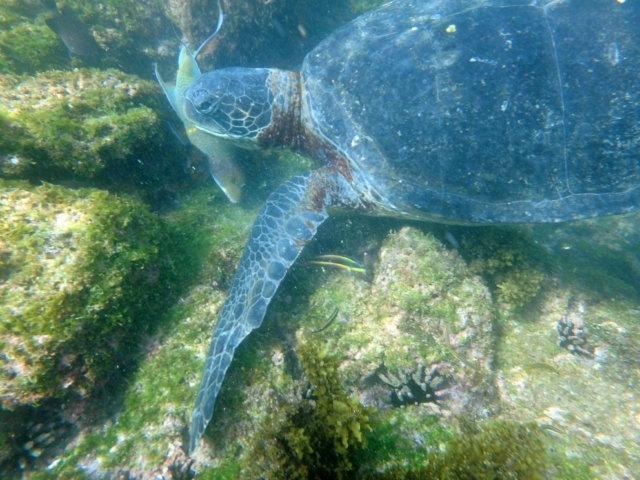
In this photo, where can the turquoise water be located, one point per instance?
(507, 351)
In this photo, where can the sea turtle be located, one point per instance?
(466, 111)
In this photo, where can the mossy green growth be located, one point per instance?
(317, 437)
(27, 44)
(400, 436)
(26, 48)
(83, 273)
(510, 260)
(127, 30)
(494, 449)
(428, 272)
(418, 288)
(82, 125)
(156, 406)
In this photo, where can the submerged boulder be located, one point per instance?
(87, 126)
(82, 275)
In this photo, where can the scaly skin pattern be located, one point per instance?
(283, 227)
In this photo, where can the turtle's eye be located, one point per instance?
(205, 103)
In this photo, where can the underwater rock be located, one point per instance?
(424, 310)
(144, 437)
(425, 322)
(83, 273)
(396, 321)
(89, 126)
(127, 31)
(588, 403)
(393, 318)
(27, 47)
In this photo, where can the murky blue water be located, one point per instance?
(404, 340)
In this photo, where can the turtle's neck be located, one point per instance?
(284, 129)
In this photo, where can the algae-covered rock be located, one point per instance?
(412, 341)
(271, 372)
(588, 402)
(86, 125)
(148, 436)
(414, 345)
(317, 434)
(125, 33)
(512, 262)
(493, 449)
(421, 331)
(82, 275)
(27, 45)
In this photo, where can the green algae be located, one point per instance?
(493, 449)
(401, 436)
(429, 272)
(86, 125)
(27, 45)
(152, 386)
(417, 287)
(158, 403)
(149, 431)
(156, 407)
(288, 445)
(512, 262)
(128, 31)
(373, 329)
(28, 48)
(83, 274)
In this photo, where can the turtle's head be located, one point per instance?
(247, 106)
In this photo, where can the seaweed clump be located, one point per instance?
(494, 449)
(316, 436)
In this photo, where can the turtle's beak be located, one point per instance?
(200, 119)
(211, 131)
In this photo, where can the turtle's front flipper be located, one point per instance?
(285, 224)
